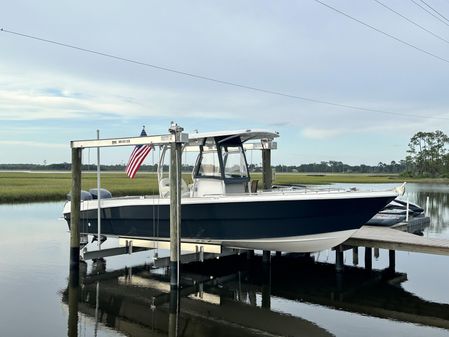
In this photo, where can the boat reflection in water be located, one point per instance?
(232, 297)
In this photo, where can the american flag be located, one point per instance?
(138, 156)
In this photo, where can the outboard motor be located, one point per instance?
(84, 196)
(104, 193)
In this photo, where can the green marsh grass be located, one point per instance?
(20, 187)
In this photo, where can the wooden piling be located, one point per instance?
(266, 169)
(339, 259)
(73, 296)
(249, 254)
(266, 286)
(173, 313)
(266, 256)
(355, 256)
(368, 258)
(392, 259)
(174, 244)
(75, 209)
(175, 205)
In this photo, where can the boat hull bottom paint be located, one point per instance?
(298, 244)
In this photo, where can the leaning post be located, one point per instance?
(75, 209)
(266, 165)
(175, 204)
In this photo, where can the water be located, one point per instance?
(234, 297)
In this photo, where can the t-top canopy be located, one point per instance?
(244, 135)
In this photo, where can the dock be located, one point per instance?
(405, 236)
(393, 239)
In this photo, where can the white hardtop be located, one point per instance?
(245, 135)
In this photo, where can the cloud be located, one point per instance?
(32, 144)
(74, 98)
(321, 134)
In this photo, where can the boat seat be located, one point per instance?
(164, 188)
(253, 185)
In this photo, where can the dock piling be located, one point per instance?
(173, 313)
(392, 259)
(266, 286)
(266, 168)
(250, 254)
(368, 258)
(355, 256)
(175, 205)
(73, 296)
(266, 257)
(339, 259)
(75, 209)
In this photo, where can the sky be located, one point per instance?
(50, 95)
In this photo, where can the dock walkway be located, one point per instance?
(393, 239)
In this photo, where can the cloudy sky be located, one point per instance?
(50, 94)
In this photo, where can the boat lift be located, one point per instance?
(177, 140)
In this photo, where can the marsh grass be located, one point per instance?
(20, 187)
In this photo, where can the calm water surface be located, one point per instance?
(231, 297)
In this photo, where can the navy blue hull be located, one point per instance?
(237, 221)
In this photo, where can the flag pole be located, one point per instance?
(98, 194)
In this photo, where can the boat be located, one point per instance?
(223, 207)
(396, 212)
(386, 220)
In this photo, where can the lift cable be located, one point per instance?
(412, 22)
(429, 12)
(382, 32)
(434, 10)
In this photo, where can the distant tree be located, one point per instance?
(427, 154)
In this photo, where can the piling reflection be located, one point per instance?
(234, 297)
(73, 298)
(174, 309)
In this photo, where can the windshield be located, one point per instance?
(209, 165)
(234, 162)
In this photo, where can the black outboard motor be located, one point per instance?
(104, 193)
(84, 196)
